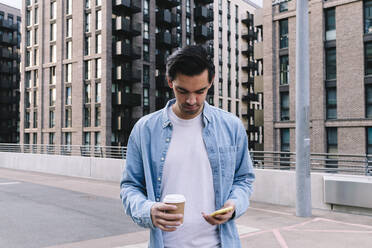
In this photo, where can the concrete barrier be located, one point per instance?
(76, 166)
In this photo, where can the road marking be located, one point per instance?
(9, 183)
(280, 238)
(141, 245)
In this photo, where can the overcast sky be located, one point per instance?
(18, 3)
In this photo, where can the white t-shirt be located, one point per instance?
(187, 171)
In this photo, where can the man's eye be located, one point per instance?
(200, 92)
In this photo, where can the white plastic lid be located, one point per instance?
(174, 198)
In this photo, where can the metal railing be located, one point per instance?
(319, 162)
(118, 152)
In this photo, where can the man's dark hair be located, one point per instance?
(190, 61)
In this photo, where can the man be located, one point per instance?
(193, 149)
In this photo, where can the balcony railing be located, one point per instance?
(203, 14)
(126, 99)
(203, 33)
(356, 164)
(123, 26)
(127, 7)
(167, 4)
(126, 52)
(166, 19)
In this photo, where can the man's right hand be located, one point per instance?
(165, 221)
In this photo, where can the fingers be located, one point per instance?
(217, 219)
(163, 220)
(166, 228)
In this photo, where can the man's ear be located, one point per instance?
(170, 84)
(211, 82)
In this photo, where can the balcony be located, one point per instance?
(123, 123)
(126, 75)
(166, 19)
(203, 2)
(123, 26)
(126, 99)
(161, 60)
(168, 4)
(127, 7)
(250, 97)
(250, 66)
(250, 35)
(6, 24)
(8, 99)
(4, 68)
(6, 40)
(166, 40)
(258, 84)
(248, 51)
(203, 14)
(202, 33)
(249, 82)
(161, 82)
(249, 20)
(126, 52)
(258, 50)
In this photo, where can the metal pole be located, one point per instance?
(303, 183)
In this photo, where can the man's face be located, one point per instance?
(190, 92)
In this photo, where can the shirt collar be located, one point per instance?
(165, 117)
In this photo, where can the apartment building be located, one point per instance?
(340, 76)
(10, 19)
(97, 66)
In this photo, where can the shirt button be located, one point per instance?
(167, 140)
(158, 178)
(162, 159)
(157, 199)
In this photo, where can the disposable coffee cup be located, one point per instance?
(177, 200)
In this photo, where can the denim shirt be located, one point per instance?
(226, 143)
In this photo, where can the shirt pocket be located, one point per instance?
(228, 160)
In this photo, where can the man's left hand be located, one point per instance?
(220, 218)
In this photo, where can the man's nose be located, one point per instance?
(191, 99)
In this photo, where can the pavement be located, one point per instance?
(42, 210)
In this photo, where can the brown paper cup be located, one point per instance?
(177, 200)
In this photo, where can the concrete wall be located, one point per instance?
(96, 168)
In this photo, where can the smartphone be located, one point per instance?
(222, 211)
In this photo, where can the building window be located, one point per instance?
(97, 138)
(330, 24)
(28, 58)
(87, 22)
(98, 2)
(87, 65)
(146, 30)
(146, 4)
(35, 119)
(27, 99)
(98, 43)
(68, 7)
(68, 117)
(68, 49)
(188, 25)
(27, 79)
(368, 89)
(52, 75)
(220, 88)
(368, 16)
(28, 18)
(98, 92)
(97, 121)
(87, 4)
(284, 70)
(34, 137)
(98, 69)
(331, 147)
(68, 96)
(69, 28)
(52, 121)
(229, 105)
(146, 53)
(284, 106)
(98, 19)
(331, 103)
(53, 32)
(228, 87)
(283, 32)
(237, 109)
(53, 53)
(87, 45)
(283, 6)
(51, 139)
(331, 70)
(87, 138)
(87, 116)
(68, 140)
(28, 38)
(36, 78)
(53, 10)
(36, 56)
(284, 140)
(237, 89)
(52, 97)
(35, 36)
(220, 5)
(87, 93)
(368, 58)
(27, 119)
(68, 73)
(146, 75)
(369, 140)
(145, 97)
(35, 98)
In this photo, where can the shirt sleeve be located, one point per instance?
(244, 176)
(133, 186)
